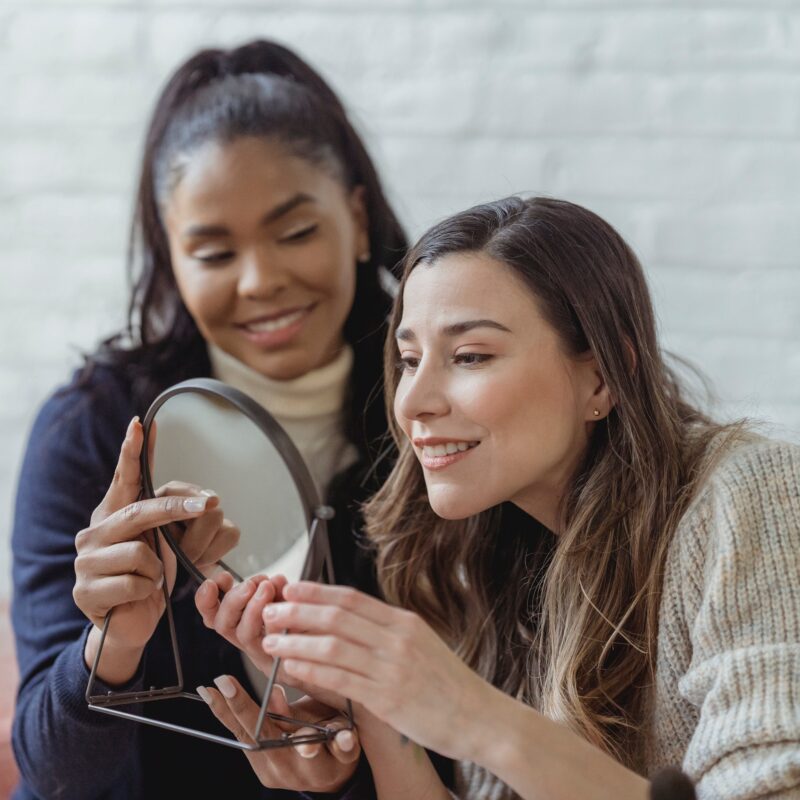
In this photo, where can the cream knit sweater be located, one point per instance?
(725, 706)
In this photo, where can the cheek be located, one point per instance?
(328, 271)
(207, 295)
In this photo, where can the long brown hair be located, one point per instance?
(568, 623)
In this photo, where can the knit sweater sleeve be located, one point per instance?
(744, 672)
(63, 749)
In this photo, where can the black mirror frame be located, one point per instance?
(318, 566)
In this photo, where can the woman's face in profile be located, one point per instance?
(264, 247)
(494, 407)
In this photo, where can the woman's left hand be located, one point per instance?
(385, 659)
(310, 767)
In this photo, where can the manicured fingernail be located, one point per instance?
(346, 740)
(203, 692)
(270, 642)
(307, 751)
(261, 592)
(195, 503)
(225, 685)
(209, 493)
(160, 581)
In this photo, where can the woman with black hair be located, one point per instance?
(258, 240)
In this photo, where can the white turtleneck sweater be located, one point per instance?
(309, 408)
(311, 411)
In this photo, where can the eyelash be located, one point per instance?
(215, 258)
(301, 234)
(219, 258)
(406, 365)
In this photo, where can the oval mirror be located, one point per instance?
(208, 434)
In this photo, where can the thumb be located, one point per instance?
(127, 482)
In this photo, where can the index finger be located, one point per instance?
(144, 515)
(343, 596)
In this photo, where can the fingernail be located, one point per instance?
(261, 592)
(270, 612)
(209, 493)
(270, 642)
(130, 427)
(203, 692)
(346, 740)
(225, 685)
(195, 503)
(307, 751)
(160, 581)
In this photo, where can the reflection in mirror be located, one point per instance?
(204, 440)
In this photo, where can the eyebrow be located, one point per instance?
(271, 216)
(456, 329)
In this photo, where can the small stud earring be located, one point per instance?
(596, 413)
(364, 257)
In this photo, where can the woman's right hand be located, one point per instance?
(237, 616)
(117, 567)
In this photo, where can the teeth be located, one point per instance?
(439, 450)
(275, 324)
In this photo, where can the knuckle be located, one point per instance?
(80, 564)
(78, 594)
(172, 504)
(132, 511)
(333, 617)
(330, 648)
(350, 599)
(130, 585)
(82, 538)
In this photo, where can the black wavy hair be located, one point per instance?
(258, 89)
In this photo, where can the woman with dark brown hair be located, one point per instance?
(586, 578)
(260, 236)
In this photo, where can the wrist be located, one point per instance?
(478, 715)
(118, 662)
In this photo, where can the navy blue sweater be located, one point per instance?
(63, 749)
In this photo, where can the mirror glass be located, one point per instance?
(207, 441)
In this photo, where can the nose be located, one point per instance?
(261, 276)
(422, 395)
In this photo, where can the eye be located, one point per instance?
(299, 235)
(214, 258)
(471, 359)
(407, 363)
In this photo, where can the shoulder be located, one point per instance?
(748, 483)
(85, 417)
(737, 548)
(744, 518)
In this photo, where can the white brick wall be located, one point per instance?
(677, 120)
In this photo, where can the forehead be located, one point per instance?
(462, 286)
(246, 171)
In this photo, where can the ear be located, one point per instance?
(598, 401)
(358, 209)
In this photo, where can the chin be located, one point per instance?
(448, 502)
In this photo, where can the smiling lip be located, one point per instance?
(432, 457)
(275, 330)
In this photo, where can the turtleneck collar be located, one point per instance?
(319, 392)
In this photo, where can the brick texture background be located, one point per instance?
(677, 120)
